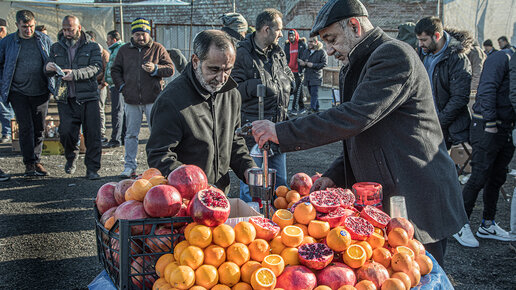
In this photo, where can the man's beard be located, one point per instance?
(73, 40)
(212, 87)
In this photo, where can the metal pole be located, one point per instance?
(121, 21)
(234, 6)
(439, 9)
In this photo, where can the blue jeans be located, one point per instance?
(314, 97)
(278, 162)
(6, 114)
(134, 118)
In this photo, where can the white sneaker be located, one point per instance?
(494, 232)
(127, 173)
(465, 237)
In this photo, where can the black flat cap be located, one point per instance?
(3, 22)
(336, 10)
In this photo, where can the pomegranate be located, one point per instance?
(188, 180)
(303, 199)
(346, 196)
(374, 272)
(120, 189)
(359, 228)
(316, 176)
(140, 266)
(315, 255)
(133, 210)
(210, 207)
(297, 278)
(336, 275)
(325, 201)
(336, 217)
(403, 223)
(375, 216)
(162, 201)
(105, 198)
(161, 241)
(301, 183)
(265, 228)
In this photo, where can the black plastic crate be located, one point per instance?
(129, 256)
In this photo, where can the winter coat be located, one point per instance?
(492, 102)
(138, 86)
(512, 74)
(114, 50)
(9, 50)
(313, 75)
(235, 36)
(301, 48)
(105, 60)
(451, 82)
(407, 34)
(191, 126)
(86, 65)
(391, 135)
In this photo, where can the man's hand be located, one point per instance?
(301, 62)
(322, 183)
(263, 131)
(68, 75)
(149, 67)
(50, 66)
(309, 64)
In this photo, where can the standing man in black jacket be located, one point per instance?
(261, 61)
(312, 62)
(449, 70)
(80, 60)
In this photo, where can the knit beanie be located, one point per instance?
(140, 24)
(234, 21)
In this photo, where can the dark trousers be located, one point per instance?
(72, 115)
(298, 94)
(30, 114)
(492, 154)
(438, 250)
(117, 116)
(314, 97)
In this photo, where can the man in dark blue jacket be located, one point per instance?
(312, 62)
(22, 57)
(490, 136)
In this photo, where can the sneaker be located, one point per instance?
(111, 144)
(493, 231)
(40, 170)
(302, 111)
(30, 170)
(5, 139)
(4, 176)
(70, 166)
(127, 173)
(465, 237)
(293, 112)
(92, 175)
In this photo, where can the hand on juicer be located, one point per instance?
(263, 131)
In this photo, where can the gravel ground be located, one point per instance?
(47, 238)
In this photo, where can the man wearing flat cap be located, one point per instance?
(235, 26)
(386, 121)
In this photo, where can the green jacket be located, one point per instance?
(113, 49)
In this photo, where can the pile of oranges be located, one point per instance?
(150, 177)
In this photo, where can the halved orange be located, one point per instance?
(292, 236)
(275, 263)
(283, 218)
(367, 247)
(263, 279)
(404, 249)
(354, 256)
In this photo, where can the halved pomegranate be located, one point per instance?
(315, 255)
(265, 228)
(336, 218)
(346, 196)
(210, 207)
(303, 199)
(325, 201)
(359, 228)
(375, 216)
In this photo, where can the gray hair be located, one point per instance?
(205, 39)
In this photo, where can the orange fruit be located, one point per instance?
(308, 240)
(283, 218)
(206, 276)
(292, 236)
(401, 262)
(259, 249)
(196, 287)
(275, 263)
(382, 256)
(157, 180)
(415, 276)
(162, 262)
(200, 236)
(290, 256)
(263, 279)
(238, 253)
(214, 255)
(140, 188)
(151, 172)
(403, 277)
(323, 287)
(221, 287)
(354, 256)
(192, 257)
(188, 228)
(416, 247)
(129, 195)
(303, 227)
(178, 249)
(338, 239)
(425, 264)
(168, 269)
(403, 249)
(276, 245)
(318, 229)
(160, 283)
(376, 240)
(248, 269)
(292, 196)
(281, 191)
(365, 285)
(223, 235)
(290, 204)
(304, 213)
(347, 287)
(182, 277)
(378, 231)
(367, 248)
(242, 286)
(393, 284)
(229, 274)
(245, 233)
(280, 203)
(397, 237)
